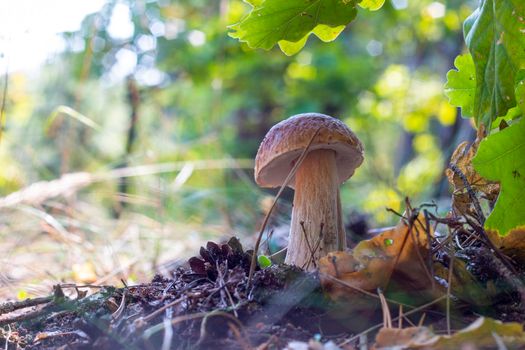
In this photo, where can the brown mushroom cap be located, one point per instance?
(285, 141)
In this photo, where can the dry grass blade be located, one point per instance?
(68, 184)
(38, 192)
(281, 189)
(7, 337)
(118, 313)
(387, 317)
(74, 114)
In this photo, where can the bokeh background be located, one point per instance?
(129, 128)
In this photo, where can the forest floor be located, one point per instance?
(209, 302)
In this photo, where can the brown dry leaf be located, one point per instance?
(482, 333)
(371, 263)
(402, 338)
(512, 245)
(462, 159)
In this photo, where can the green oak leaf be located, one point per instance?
(501, 157)
(461, 84)
(290, 22)
(372, 5)
(323, 32)
(290, 48)
(495, 36)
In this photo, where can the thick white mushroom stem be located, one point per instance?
(316, 227)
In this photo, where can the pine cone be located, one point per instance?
(215, 256)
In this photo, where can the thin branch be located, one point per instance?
(16, 305)
(471, 194)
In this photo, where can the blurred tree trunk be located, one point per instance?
(133, 97)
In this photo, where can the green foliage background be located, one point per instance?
(205, 96)
(218, 98)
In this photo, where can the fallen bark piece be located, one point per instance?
(484, 333)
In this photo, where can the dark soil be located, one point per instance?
(206, 305)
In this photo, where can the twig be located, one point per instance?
(116, 315)
(422, 319)
(267, 217)
(400, 314)
(72, 285)
(23, 317)
(268, 238)
(348, 285)
(409, 221)
(312, 252)
(429, 241)
(278, 252)
(319, 239)
(470, 191)
(159, 311)
(12, 306)
(418, 252)
(449, 286)
(223, 285)
(481, 232)
(9, 333)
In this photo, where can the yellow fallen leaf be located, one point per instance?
(512, 245)
(84, 273)
(483, 333)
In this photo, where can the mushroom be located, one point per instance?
(334, 154)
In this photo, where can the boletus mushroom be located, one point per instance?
(334, 154)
